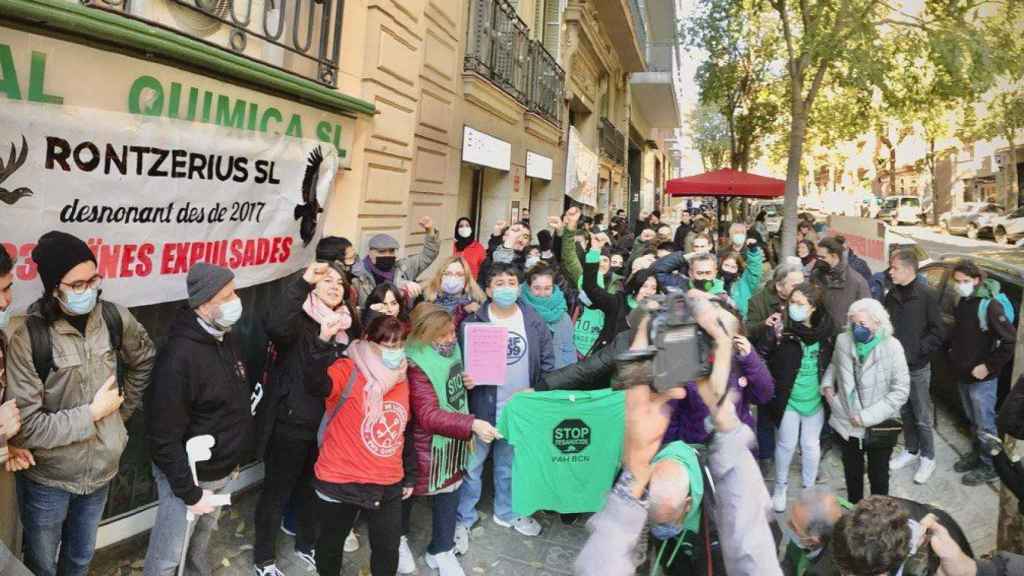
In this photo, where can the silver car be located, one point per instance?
(1009, 228)
(972, 219)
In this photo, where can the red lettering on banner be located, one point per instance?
(27, 269)
(127, 260)
(107, 259)
(262, 251)
(249, 255)
(195, 253)
(145, 265)
(286, 248)
(236, 253)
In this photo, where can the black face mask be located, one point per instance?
(702, 285)
(729, 277)
(385, 263)
(617, 269)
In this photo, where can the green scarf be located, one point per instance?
(551, 308)
(865, 348)
(448, 456)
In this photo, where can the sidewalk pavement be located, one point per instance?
(496, 551)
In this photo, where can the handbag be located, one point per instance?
(885, 434)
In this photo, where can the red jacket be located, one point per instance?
(474, 254)
(428, 419)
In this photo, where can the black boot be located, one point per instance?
(980, 475)
(967, 462)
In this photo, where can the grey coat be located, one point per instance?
(407, 269)
(884, 385)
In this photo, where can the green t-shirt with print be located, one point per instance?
(805, 397)
(568, 446)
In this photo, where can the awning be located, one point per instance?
(727, 183)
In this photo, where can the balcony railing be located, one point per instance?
(302, 37)
(499, 48)
(612, 142)
(659, 56)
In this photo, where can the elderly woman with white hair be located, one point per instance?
(866, 385)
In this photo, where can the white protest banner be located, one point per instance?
(581, 170)
(153, 195)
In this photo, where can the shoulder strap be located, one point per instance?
(42, 346)
(115, 331)
(325, 422)
(983, 313)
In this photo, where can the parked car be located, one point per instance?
(1006, 266)
(972, 218)
(773, 214)
(898, 210)
(1009, 228)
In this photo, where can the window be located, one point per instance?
(935, 275)
(911, 202)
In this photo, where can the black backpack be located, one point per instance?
(42, 344)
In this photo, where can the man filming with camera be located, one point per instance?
(741, 499)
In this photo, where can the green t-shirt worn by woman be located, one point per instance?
(806, 395)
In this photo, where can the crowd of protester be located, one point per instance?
(366, 405)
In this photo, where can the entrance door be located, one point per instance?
(635, 167)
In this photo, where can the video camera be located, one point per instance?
(680, 347)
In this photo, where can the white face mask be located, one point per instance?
(5, 316)
(465, 231)
(965, 289)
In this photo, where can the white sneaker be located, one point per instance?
(445, 563)
(406, 561)
(924, 470)
(779, 498)
(902, 459)
(268, 570)
(461, 539)
(351, 542)
(525, 525)
(308, 559)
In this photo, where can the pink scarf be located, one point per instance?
(379, 378)
(322, 314)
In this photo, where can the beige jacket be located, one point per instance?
(884, 385)
(71, 451)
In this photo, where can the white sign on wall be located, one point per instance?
(154, 196)
(485, 150)
(538, 166)
(581, 170)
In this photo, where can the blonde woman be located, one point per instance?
(454, 288)
(866, 385)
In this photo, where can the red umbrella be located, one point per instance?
(727, 183)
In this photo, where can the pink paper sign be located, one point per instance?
(486, 352)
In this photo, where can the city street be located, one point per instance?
(937, 242)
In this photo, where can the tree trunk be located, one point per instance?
(933, 163)
(892, 171)
(1010, 532)
(797, 131)
(1011, 173)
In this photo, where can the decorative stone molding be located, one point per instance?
(491, 98)
(542, 129)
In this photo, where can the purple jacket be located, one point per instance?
(689, 414)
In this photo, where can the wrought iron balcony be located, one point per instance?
(639, 22)
(302, 37)
(612, 142)
(499, 49)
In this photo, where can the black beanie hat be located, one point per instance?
(331, 248)
(56, 253)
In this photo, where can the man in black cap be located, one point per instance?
(382, 263)
(199, 388)
(63, 372)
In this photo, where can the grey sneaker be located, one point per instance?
(268, 570)
(461, 539)
(307, 559)
(980, 475)
(967, 462)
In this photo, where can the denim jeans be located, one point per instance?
(444, 514)
(469, 492)
(806, 429)
(917, 414)
(979, 401)
(765, 434)
(56, 520)
(168, 535)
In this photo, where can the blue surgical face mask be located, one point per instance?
(444, 349)
(80, 304)
(392, 357)
(453, 284)
(230, 312)
(5, 317)
(505, 296)
(739, 239)
(532, 261)
(666, 531)
(799, 312)
(862, 334)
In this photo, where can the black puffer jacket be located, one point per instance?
(285, 399)
(591, 373)
(785, 357)
(199, 387)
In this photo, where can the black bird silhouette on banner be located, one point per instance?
(309, 211)
(12, 165)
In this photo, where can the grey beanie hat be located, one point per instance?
(383, 242)
(204, 281)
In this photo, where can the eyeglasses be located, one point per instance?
(82, 285)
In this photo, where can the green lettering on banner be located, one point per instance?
(135, 96)
(267, 114)
(233, 117)
(294, 127)
(37, 81)
(9, 82)
(207, 104)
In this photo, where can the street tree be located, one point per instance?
(709, 133)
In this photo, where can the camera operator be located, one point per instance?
(742, 499)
